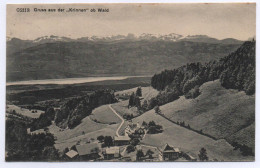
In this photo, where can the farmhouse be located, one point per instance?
(88, 151)
(121, 140)
(111, 153)
(168, 153)
(71, 154)
(132, 128)
(36, 132)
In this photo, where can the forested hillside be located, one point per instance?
(74, 110)
(235, 71)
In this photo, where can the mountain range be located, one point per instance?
(51, 57)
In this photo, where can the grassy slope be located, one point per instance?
(188, 141)
(217, 111)
(121, 107)
(24, 111)
(104, 115)
(69, 137)
(147, 92)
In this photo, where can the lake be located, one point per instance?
(69, 80)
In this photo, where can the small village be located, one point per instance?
(122, 148)
(126, 145)
(126, 148)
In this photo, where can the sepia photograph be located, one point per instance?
(132, 82)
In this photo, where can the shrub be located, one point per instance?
(130, 148)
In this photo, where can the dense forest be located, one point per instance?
(235, 71)
(25, 147)
(74, 110)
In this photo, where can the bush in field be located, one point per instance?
(134, 141)
(157, 109)
(100, 138)
(139, 92)
(139, 154)
(130, 148)
(203, 154)
(149, 153)
(154, 128)
(108, 141)
(128, 116)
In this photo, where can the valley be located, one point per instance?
(191, 111)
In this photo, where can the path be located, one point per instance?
(123, 121)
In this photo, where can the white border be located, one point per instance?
(117, 164)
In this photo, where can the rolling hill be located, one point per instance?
(188, 141)
(219, 112)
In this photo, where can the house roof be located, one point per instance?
(71, 153)
(121, 138)
(168, 148)
(87, 149)
(39, 131)
(112, 150)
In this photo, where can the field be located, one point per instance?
(104, 115)
(24, 111)
(219, 112)
(121, 108)
(147, 92)
(187, 140)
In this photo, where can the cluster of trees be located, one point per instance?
(44, 120)
(203, 155)
(140, 154)
(133, 142)
(134, 101)
(74, 110)
(235, 71)
(152, 127)
(105, 140)
(25, 147)
(245, 150)
(128, 116)
(182, 124)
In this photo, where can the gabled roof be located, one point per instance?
(168, 148)
(122, 138)
(112, 150)
(71, 153)
(87, 149)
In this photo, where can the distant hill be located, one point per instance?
(61, 57)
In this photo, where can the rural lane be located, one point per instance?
(123, 121)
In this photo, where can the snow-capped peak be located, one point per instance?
(50, 38)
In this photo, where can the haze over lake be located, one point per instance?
(69, 80)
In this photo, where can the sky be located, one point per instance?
(223, 20)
